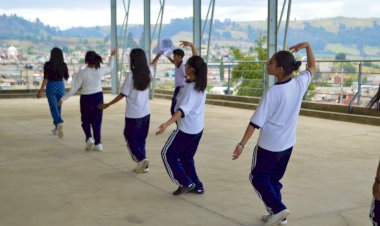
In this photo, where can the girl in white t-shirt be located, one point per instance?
(89, 80)
(276, 117)
(137, 113)
(181, 146)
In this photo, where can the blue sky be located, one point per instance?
(74, 13)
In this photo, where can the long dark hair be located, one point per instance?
(57, 64)
(140, 70)
(93, 58)
(375, 100)
(200, 70)
(286, 60)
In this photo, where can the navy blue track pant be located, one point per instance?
(91, 115)
(267, 170)
(135, 134)
(178, 156)
(374, 215)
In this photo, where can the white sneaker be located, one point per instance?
(54, 131)
(89, 144)
(266, 217)
(98, 147)
(60, 130)
(141, 166)
(146, 170)
(275, 219)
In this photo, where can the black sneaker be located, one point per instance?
(182, 190)
(198, 191)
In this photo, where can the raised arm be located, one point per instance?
(155, 60)
(111, 63)
(170, 59)
(309, 53)
(190, 44)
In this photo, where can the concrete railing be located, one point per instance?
(326, 111)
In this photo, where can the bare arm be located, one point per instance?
(108, 69)
(154, 61)
(115, 100)
(309, 53)
(163, 126)
(39, 93)
(190, 44)
(376, 184)
(240, 146)
(170, 59)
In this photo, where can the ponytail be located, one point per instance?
(93, 58)
(287, 61)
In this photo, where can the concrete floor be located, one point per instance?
(50, 181)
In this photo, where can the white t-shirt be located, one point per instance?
(278, 111)
(89, 79)
(192, 104)
(180, 76)
(137, 101)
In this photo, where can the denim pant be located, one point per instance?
(54, 92)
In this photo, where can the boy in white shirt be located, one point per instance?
(179, 71)
(276, 117)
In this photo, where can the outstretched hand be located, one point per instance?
(186, 43)
(103, 106)
(161, 129)
(299, 46)
(113, 52)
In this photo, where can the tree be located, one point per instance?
(348, 81)
(340, 56)
(249, 74)
(349, 68)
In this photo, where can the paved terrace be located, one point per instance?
(50, 181)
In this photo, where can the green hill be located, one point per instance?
(353, 36)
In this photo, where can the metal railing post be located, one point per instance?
(264, 76)
(360, 81)
(229, 78)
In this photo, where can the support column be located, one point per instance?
(272, 35)
(115, 82)
(197, 21)
(147, 38)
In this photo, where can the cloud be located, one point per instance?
(69, 13)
